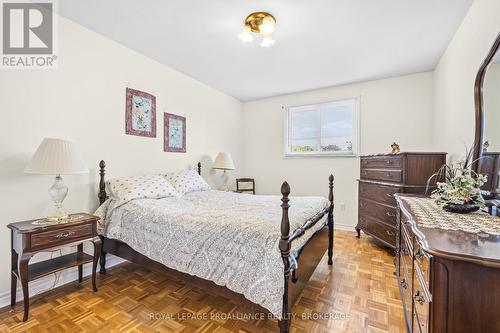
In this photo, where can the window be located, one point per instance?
(325, 129)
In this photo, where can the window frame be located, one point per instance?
(355, 135)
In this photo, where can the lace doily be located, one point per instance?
(430, 215)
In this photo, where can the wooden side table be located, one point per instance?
(27, 239)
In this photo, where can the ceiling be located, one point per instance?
(319, 43)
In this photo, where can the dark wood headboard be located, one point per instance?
(103, 196)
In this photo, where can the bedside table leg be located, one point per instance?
(13, 289)
(13, 277)
(80, 267)
(97, 254)
(23, 274)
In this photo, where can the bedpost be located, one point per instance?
(330, 220)
(102, 185)
(102, 197)
(199, 168)
(284, 246)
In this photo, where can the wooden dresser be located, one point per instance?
(381, 177)
(489, 165)
(448, 280)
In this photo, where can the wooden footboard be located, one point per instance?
(298, 267)
(285, 245)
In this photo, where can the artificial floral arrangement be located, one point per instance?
(461, 193)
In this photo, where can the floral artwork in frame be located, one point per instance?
(140, 113)
(174, 135)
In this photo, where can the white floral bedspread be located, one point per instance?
(228, 238)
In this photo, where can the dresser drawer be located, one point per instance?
(379, 193)
(61, 236)
(381, 162)
(406, 285)
(379, 230)
(421, 300)
(382, 212)
(422, 271)
(395, 176)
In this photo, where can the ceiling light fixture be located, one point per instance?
(260, 23)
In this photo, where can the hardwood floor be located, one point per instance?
(357, 294)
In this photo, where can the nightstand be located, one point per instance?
(29, 238)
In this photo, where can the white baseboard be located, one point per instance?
(47, 283)
(344, 227)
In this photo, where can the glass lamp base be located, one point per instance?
(58, 192)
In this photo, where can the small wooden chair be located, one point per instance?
(246, 188)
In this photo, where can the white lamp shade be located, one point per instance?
(56, 157)
(223, 161)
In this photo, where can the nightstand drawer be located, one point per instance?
(60, 236)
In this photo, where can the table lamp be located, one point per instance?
(57, 157)
(223, 161)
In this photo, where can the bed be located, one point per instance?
(250, 246)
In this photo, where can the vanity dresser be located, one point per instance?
(449, 280)
(382, 176)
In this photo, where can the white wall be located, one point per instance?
(455, 74)
(84, 101)
(397, 109)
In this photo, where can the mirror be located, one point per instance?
(487, 138)
(491, 106)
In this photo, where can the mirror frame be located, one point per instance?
(478, 101)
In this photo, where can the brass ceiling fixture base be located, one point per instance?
(254, 20)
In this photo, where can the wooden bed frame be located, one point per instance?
(295, 279)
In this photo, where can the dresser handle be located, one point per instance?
(65, 234)
(419, 298)
(405, 251)
(389, 175)
(404, 284)
(390, 214)
(390, 195)
(420, 254)
(390, 233)
(389, 162)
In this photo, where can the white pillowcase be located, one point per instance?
(187, 181)
(139, 187)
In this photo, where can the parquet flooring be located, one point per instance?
(358, 293)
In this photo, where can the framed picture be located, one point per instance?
(174, 133)
(140, 113)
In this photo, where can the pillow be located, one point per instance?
(187, 181)
(139, 187)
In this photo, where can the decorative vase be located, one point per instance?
(461, 209)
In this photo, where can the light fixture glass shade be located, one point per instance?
(246, 35)
(267, 26)
(56, 157)
(267, 41)
(223, 161)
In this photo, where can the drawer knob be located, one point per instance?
(420, 254)
(65, 234)
(389, 162)
(404, 284)
(419, 297)
(390, 233)
(390, 214)
(389, 175)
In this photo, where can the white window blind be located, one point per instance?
(323, 129)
